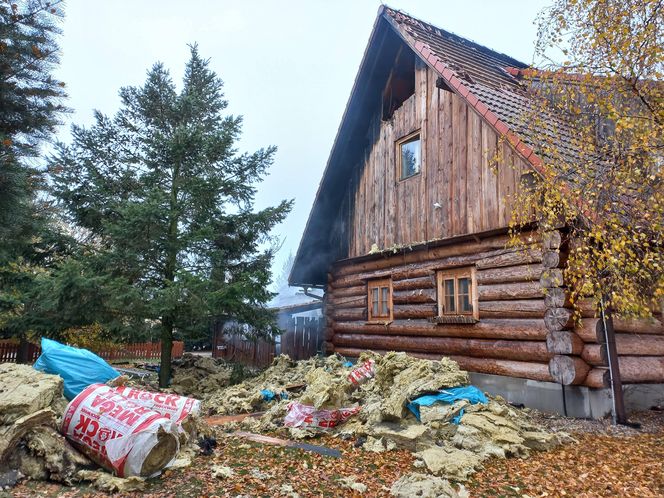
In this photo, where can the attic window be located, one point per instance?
(400, 84)
(409, 155)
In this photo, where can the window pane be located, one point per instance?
(465, 305)
(450, 301)
(374, 301)
(410, 157)
(384, 301)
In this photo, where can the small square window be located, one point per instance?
(456, 295)
(380, 300)
(409, 156)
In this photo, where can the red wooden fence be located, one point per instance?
(9, 351)
(140, 351)
(302, 339)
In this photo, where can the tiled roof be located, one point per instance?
(491, 82)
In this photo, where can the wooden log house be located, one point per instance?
(408, 231)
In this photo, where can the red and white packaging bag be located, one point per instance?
(121, 435)
(175, 407)
(362, 373)
(300, 415)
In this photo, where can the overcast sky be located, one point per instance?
(288, 66)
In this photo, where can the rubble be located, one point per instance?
(426, 486)
(352, 484)
(450, 441)
(31, 403)
(24, 391)
(109, 483)
(200, 376)
(221, 471)
(284, 375)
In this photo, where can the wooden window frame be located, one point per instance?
(457, 316)
(380, 284)
(398, 144)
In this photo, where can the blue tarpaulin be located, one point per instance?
(448, 396)
(269, 395)
(78, 367)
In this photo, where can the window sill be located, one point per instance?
(457, 319)
(378, 322)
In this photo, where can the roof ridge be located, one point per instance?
(387, 10)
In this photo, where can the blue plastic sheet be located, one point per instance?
(348, 364)
(448, 396)
(78, 367)
(269, 395)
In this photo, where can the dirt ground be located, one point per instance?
(605, 461)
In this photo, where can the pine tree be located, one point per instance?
(169, 199)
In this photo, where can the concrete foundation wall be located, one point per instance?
(573, 401)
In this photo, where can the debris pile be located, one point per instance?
(285, 377)
(450, 440)
(200, 376)
(31, 403)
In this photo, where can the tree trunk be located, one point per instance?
(166, 351)
(23, 347)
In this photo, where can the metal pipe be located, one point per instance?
(618, 408)
(309, 294)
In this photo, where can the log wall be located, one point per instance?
(457, 192)
(510, 337)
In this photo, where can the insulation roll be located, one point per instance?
(119, 434)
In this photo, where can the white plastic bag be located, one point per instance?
(119, 434)
(300, 415)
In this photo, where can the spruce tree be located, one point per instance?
(30, 109)
(168, 199)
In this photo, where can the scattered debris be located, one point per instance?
(259, 438)
(288, 490)
(426, 486)
(459, 429)
(222, 471)
(351, 483)
(109, 483)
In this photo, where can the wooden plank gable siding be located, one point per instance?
(456, 174)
